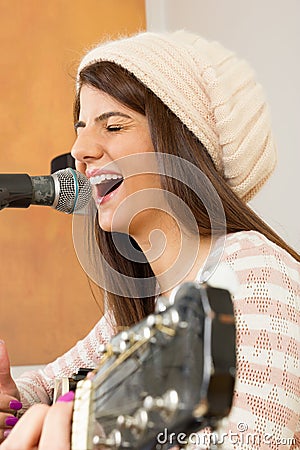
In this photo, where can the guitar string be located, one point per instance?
(139, 364)
(130, 405)
(86, 395)
(106, 413)
(129, 352)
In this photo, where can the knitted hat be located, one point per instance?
(212, 92)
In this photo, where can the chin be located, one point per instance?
(117, 228)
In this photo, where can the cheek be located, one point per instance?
(142, 182)
(81, 167)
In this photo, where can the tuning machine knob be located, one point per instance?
(137, 423)
(169, 319)
(167, 405)
(132, 338)
(162, 303)
(113, 440)
(113, 348)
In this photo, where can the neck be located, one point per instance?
(174, 254)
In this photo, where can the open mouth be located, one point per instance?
(107, 183)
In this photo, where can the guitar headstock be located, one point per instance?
(173, 372)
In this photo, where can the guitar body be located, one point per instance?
(173, 372)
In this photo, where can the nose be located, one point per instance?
(86, 148)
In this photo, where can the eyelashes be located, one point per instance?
(114, 128)
(109, 128)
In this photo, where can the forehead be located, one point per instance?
(95, 102)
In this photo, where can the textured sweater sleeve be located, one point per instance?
(266, 404)
(37, 386)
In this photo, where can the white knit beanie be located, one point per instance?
(213, 93)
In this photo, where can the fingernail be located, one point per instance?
(11, 421)
(15, 404)
(6, 433)
(68, 397)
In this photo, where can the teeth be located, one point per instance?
(105, 177)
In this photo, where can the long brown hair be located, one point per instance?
(168, 135)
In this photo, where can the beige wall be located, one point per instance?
(45, 300)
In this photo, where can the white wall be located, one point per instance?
(267, 34)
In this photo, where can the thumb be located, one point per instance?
(7, 384)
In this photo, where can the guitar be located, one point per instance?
(173, 372)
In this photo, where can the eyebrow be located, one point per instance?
(109, 114)
(102, 117)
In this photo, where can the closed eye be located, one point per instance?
(113, 128)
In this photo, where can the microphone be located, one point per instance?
(66, 190)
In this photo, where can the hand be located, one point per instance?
(9, 394)
(43, 427)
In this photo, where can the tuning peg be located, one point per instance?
(167, 404)
(169, 319)
(162, 304)
(137, 423)
(114, 440)
(146, 333)
(102, 348)
(132, 337)
(113, 348)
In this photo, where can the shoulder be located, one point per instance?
(252, 241)
(250, 250)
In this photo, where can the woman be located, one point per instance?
(173, 133)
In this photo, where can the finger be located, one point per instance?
(9, 403)
(26, 433)
(7, 420)
(4, 364)
(3, 434)
(56, 434)
(7, 384)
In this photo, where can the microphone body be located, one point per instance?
(65, 190)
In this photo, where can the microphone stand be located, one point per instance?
(15, 190)
(4, 196)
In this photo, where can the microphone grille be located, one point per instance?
(73, 190)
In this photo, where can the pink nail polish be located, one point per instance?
(15, 405)
(6, 433)
(11, 421)
(68, 397)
